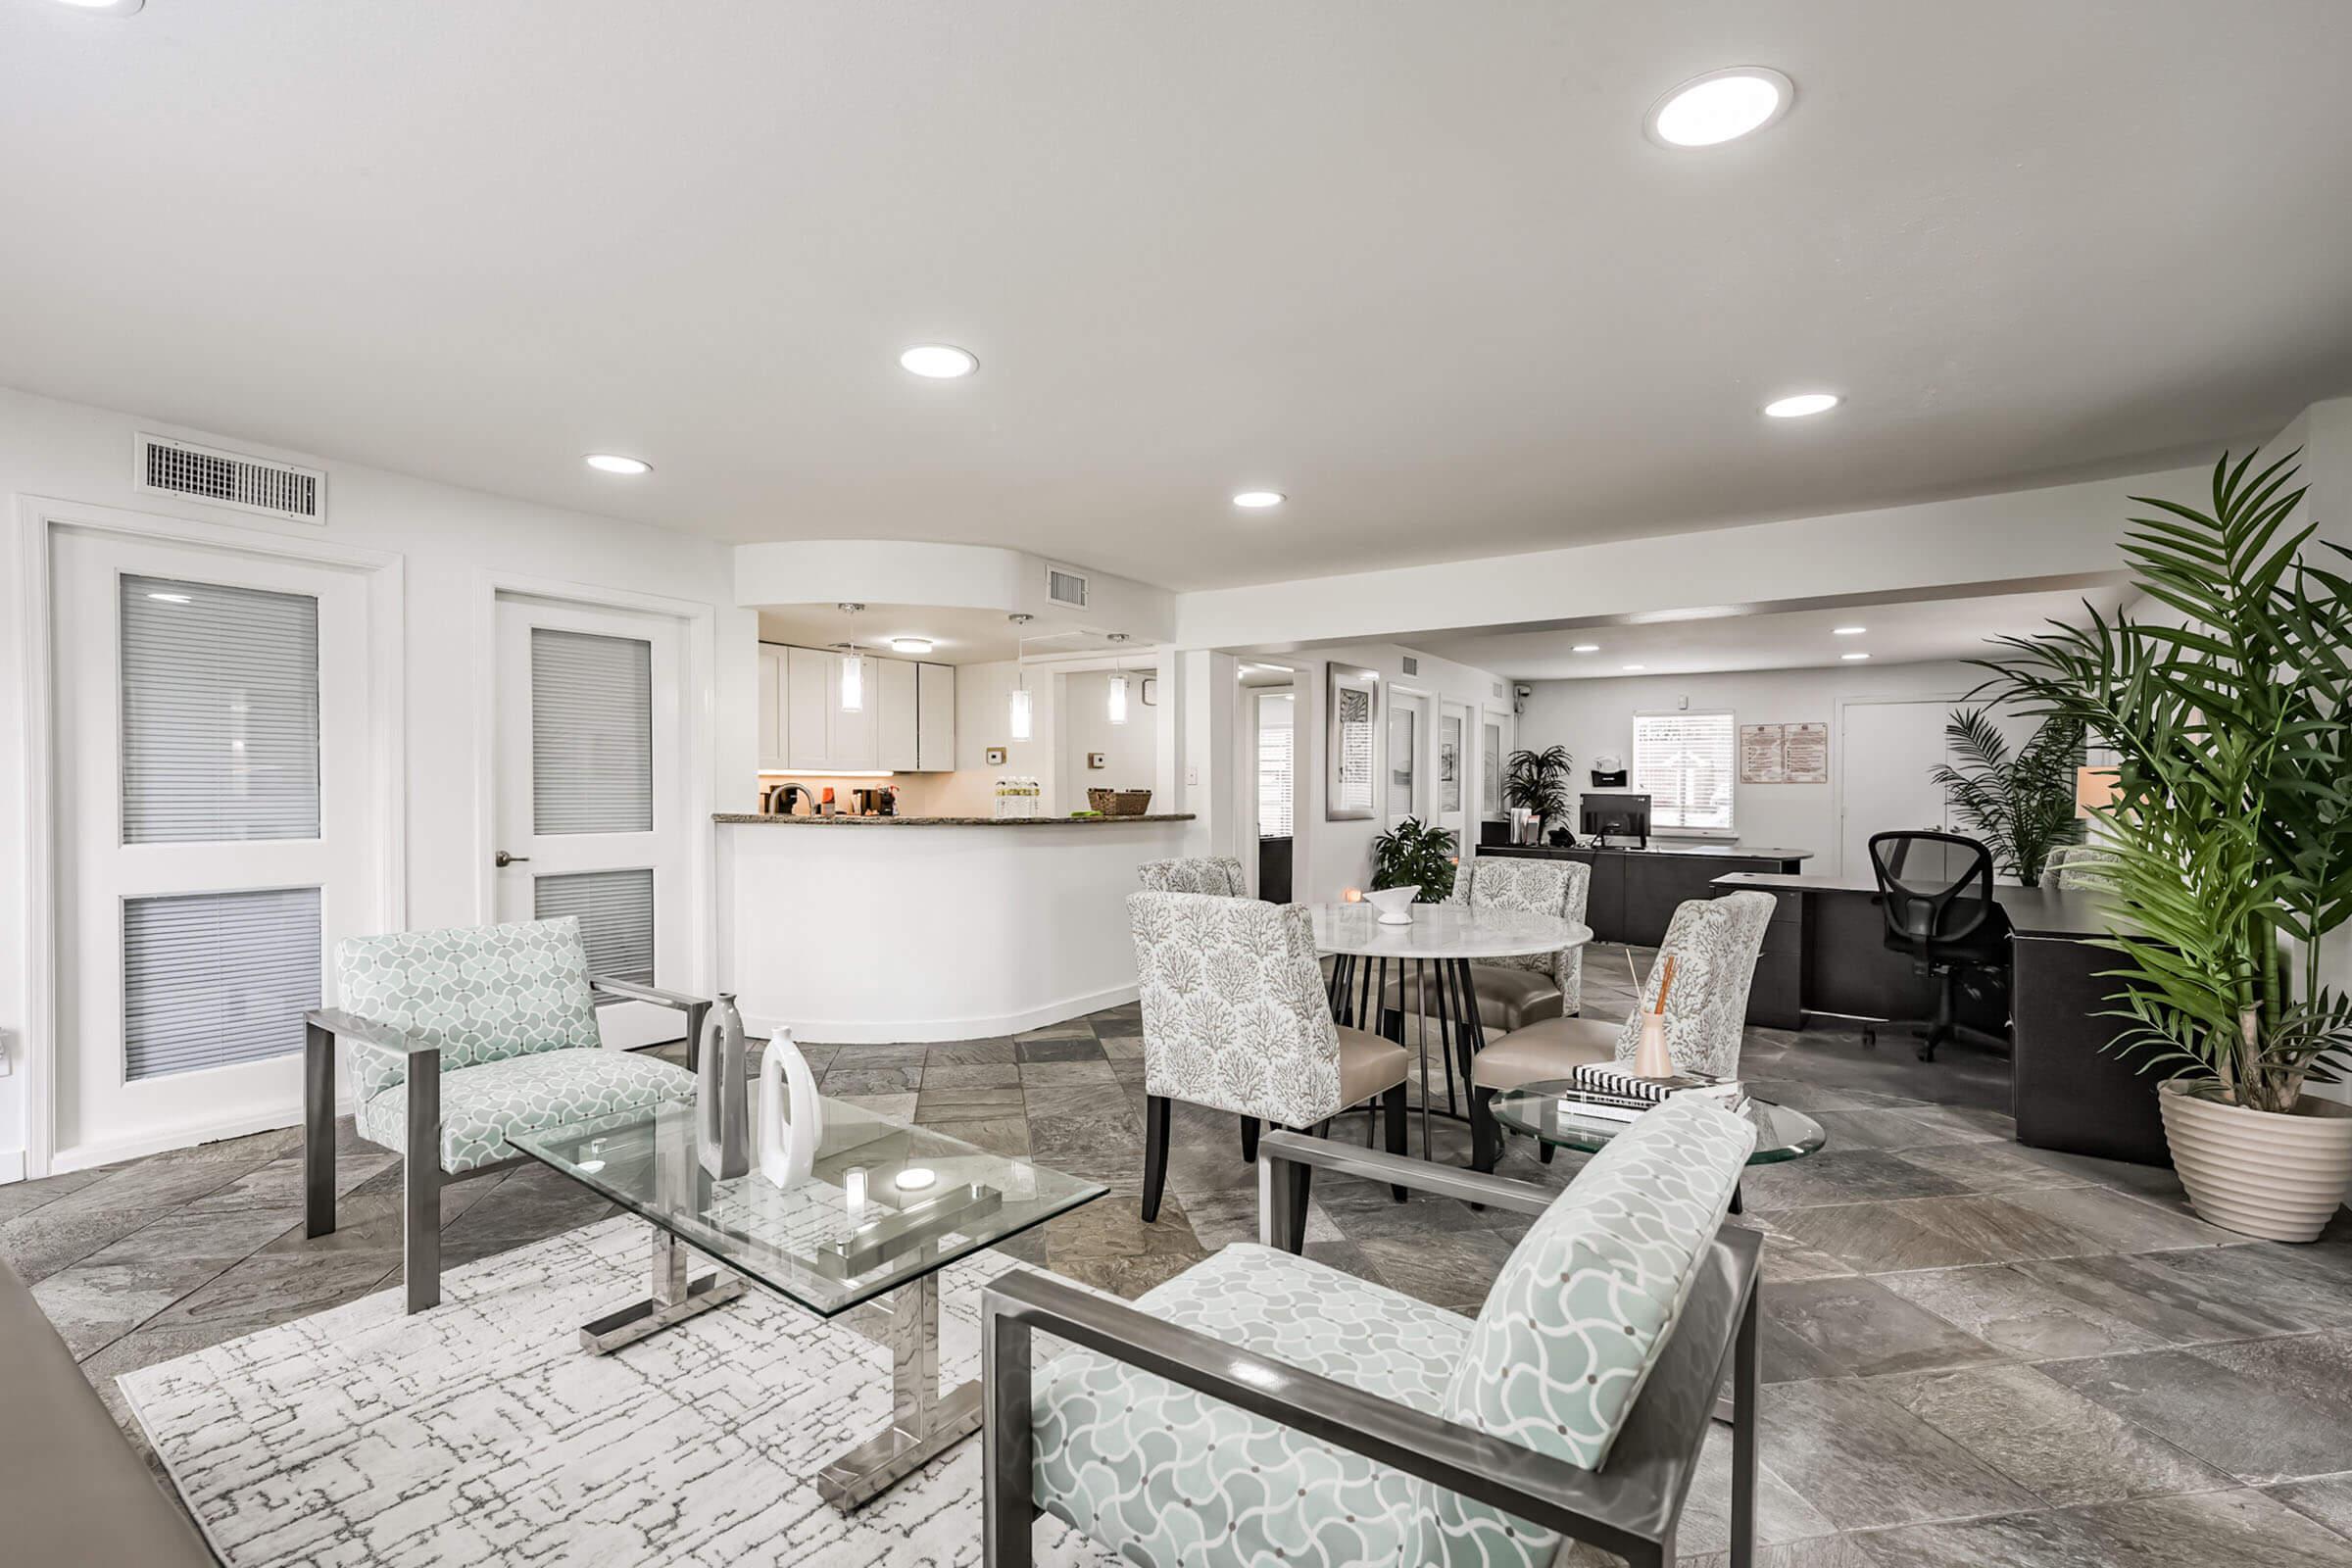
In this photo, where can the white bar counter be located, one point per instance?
(874, 929)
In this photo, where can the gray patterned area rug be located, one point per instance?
(478, 1434)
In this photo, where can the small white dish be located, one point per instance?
(1396, 904)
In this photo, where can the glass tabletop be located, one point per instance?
(885, 1204)
(1548, 1112)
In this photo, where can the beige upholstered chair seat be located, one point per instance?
(1368, 1065)
(1507, 999)
(1551, 1049)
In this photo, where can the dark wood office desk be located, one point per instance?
(2070, 1091)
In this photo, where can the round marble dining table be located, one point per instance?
(1442, 943)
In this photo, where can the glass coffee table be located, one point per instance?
(886, 1208)
(1547, 1111)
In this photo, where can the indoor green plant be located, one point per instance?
(2230, 715)
(1537, 782)
(2022, 805)
(1416, 854)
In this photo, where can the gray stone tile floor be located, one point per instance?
(1977, 1353)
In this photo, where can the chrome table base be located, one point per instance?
(673, 1300)
(923, 1421)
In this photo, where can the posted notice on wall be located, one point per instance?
(1784, 754)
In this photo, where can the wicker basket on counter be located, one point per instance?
(1119, 803)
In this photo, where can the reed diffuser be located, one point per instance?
(1651, 1059)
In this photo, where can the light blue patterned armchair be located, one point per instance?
(1220, 874)
(457, 1038)
(1264, 1409)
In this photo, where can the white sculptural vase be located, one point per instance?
(1396, 904)
(792, 1118)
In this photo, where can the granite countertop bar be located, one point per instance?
(759, 820)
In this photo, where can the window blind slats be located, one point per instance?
(592, 733)
(1686, 763)
(213, 979)
(219, 712)
(1275, 729)
(615, 911)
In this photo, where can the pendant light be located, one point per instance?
(1118, 686)
(1017, 714)
(853, 669)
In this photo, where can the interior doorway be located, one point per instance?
(1274, 722)
(591, 811)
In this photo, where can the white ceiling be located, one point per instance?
(1416, 266)
(957, 636)
(1894, 634)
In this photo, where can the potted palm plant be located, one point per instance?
(1537, 782)
(2229, 710)
(2022, 805)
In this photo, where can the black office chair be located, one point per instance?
(1937, 889)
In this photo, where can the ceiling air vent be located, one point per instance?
(231, 479)
(1413, 665)
(1065, 587)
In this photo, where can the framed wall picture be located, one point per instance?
(1351, 746)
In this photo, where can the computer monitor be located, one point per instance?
(1616, 816)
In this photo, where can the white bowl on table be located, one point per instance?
(1396, 904)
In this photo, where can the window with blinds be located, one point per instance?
(592, 733)
(615, 911)
(213, 979)
(1686, 763)
(1275, 770)
(219, 712)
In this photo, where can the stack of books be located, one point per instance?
(1606, 1092)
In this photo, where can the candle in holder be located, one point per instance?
(853, 1185)
(1353, 896)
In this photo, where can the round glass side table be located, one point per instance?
(1546, 1112)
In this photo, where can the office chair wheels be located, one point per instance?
(1870, 1037)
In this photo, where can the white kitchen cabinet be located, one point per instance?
(811, 692)
(935, 718)
(771, 707)
(819, 737)
(897, 714)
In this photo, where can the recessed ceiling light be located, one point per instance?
(1719, 107)
(1254, 500)
(1801, 405)
(910, 645)
(1848, 631)
(1586, 647)
(615, 462)
(1636, 667)
(1851, 657)
(111, 8)
(941, 362)
(172, 598)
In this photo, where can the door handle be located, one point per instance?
(501, 859)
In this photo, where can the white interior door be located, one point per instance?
(1453, 774)
(1409, 755)
(215, 832)
(590, 799)
(1889, 752)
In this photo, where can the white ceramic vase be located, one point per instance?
(2279, 1176)
(1396, 904)
(791, 1117)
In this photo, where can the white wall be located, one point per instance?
(448, 539)
(1131, 751)
(982, 719)
(1331, 857)
(1592, 717)
(2019, 538)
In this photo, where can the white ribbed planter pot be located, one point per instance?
(2260, 1172)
